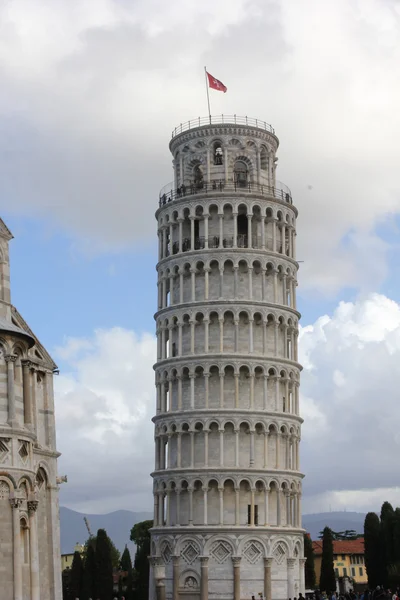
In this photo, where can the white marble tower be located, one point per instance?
(30, 566)
(227, 484)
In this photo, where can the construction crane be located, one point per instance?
(88, 528)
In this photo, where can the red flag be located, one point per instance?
(216, 84)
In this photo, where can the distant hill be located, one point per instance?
(338, 521)
(118, 525)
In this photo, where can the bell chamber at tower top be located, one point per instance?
(227, 155)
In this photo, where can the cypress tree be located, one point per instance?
(126, 566)
(140, 534)
(387, 525)
(76, 579)
(89, 574)
(104, 567)
(373, 550)
(309, 570)
(328, 579)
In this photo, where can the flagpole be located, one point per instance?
(208, 95)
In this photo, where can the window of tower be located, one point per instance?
(218, 153)
(242, 230)
(198, 177)
(241, 173)
(264, 159)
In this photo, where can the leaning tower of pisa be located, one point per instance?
(227, 484)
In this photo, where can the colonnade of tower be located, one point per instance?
(227, 484)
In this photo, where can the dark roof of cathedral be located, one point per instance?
(9, 327)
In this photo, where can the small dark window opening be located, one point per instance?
(255, 514)
(217, 154)
(198, 177)
(196, 229)
(242, 224)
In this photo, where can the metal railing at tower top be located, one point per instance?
(222, 120)
(279, 191)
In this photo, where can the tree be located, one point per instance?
(309, 569)
(76, 579)
(115, 553)
(387, 525)
(140, 534)
(126, 566)
(104, 566)
(328, 579)
(373, 550)
(89, 574)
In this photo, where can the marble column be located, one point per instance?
(302, 564)
(15, 505)
(204, 578)
(175, 583)
(290, 571)
(12, 412)
(26, 366)
(236, 577)
(34, 550)
(268, 578)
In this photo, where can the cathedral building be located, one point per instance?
(227, 479)
(29, 511)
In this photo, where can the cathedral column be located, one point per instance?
(179, 378)
(221, 334)
(192, 335)
(204, 578)
(191, 449)
(26, 371)
(284, 290)
(275, 280)
(193, 280)
(190, 492)
(221, 282)
(206, 332)
(236, 321)
(251, 343)
(168, 509)
(205, 506)
(252, 448)
(278, 507)
(277, 393)
(266, 438)
(15, 505)
(290, 241)
(237, 433)
(302, 564)
(278, 447)
(268, 578)
(234, 215)
(283, 233)
(221, 447)
(237, 506)
(206, 217)
(175, 570)
(192, 377)
(221, 505)
(262, 232)
(290, 571)
(266, 507)
(12, 412)
(236, 377)
(263, 275)
(236, 577)
(180, 223)
(235, 282)
(249, 236)
(206, 387)
(273, 235)
(180, 286)
(192, 220)
(251, 391)
(276, 340)
(206, 447)
(206, 282)
(250, 269)
(179, 450)
(221, 390)
(161, 509)
(221, 230)
(265, 377)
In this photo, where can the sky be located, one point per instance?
(91, 90)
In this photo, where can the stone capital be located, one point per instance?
(268, 562)
(16, 502)
(236, 561)
(204, 562)
(291, 563)
(302, 561)
(10, 358)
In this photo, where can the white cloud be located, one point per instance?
(104, 408)
(92, 89)
(351, 441)
(349, 402)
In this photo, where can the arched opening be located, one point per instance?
(264, 159)
(241, 173)
(198, 177)
(218, 153)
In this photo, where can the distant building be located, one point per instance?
(348, 560)
(66, 559)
